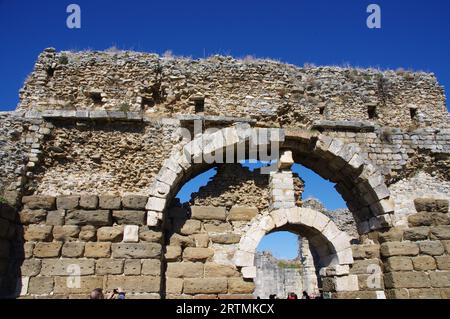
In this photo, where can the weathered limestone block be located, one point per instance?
(190, 227)
(200, 240)
(205, 285)
(40, 285)
(66, 232)
(136, 250)
(364, 266)
(440, 279)
(27, 250)
(431, 205)
(29, 216)
(38, 233)
(185, 270)
(174, 285)
(131, 234)
(217, 270)
(399, 249)
(239, 213)
(183, 241)
(89, 217)
(248, 272)
(208, 213)
(132, 267)
(146, 234)
(73, 249)
(109, 266)
(134, 201)
(88, 201)
(129, 217)
(240, 286)
(155, 204)
(429, 247)
(398, 264)
(133, 284)
(229, 238)
(417, 233)
(428, 219)
(440, 232)
(401, 293)
(220, 228)
(407, 280)
(55, 218)
(66, 267)
(243, 258)
(30, 267)
(279, 217)
(394, 234)
(424, 293)
(446, 244)
(374, 282)
(153, 218)
(88, 233)
(97, 250)
(346, 283)
(443, 262)
(113, 234)
(67, 202)
(367, 251)
(109, 202)
(173, 253)
(47, 250)
(151, 267)
(195, 254)
(39, 202)
(424, 263)
(87, 284)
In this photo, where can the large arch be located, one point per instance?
(358, 180)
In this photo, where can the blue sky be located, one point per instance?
(414, 35)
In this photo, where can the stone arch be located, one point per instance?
(331, 245)
(358, 180)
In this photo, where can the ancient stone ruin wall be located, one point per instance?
(267, 91)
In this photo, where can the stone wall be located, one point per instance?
(261, 89)
(103, 239)
(276, 276)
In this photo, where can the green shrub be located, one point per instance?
(63, 59)
(124, 107)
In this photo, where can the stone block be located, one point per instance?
(440, 232)
(30, 216)
(47, 250)
(424, 263)
(279, 217)
(407, 280)
(109, 202)
(173, 253)
(88, 233)
(89, 217)
(136, 250)
(428, 219)
(394, 234)
(88, 201)
(205, 285)
(109, 266)
(39, 202)
(364, 266)
(243, 258)
(446, 244)
(346, 283)
(401, 293)
(217, 270)
(399, 249)
(155, 204)
(131, 234)
(185, 270)
(73, 249)
(200, 240)
(240, 213)
(229, 238)
(440, 279)
(183, 241)
(443, 262)
(151, 267)
(40, 285)
(366, 251)
(190, 227)
(373, 282)
(67, 202)
(67, 267)
(66, 232)
(429, 247)
(240, 286)
(220, 228)
(149, 235)
(112, 234)
(174, 285)
(417, 233)
(398, 264)
(195, 254)
(132, 284)
(66, 285)
(431, 205)
(55, 218)
(129, 217)
(30, 267)
(97, 250)
(208, 213)
(134, 201)
(132, 267)
(427, 293)
(38, 233)
(248, 272)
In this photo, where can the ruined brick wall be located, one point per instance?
(264, 90)
(104, 239)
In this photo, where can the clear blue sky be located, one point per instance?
(414, 35)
